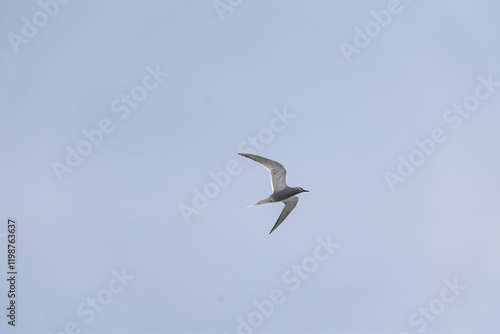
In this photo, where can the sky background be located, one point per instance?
(351, 120)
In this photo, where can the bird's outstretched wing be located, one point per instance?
(277, 171)
(290, 204)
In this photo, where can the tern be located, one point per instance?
(281, 191)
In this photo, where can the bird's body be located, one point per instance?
(281, 191)
(280, 195)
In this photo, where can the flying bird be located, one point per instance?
(281, 191)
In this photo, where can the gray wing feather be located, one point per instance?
(290, 204)
(277, 171)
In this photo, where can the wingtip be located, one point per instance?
(246, 155)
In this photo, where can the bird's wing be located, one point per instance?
(277, 171)
(290, 203)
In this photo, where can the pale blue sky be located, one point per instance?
(117, 213)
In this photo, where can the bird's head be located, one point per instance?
(302, 190)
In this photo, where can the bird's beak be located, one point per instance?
(306, 191)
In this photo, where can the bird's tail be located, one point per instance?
(264, 201)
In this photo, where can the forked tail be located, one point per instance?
(264, 201)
